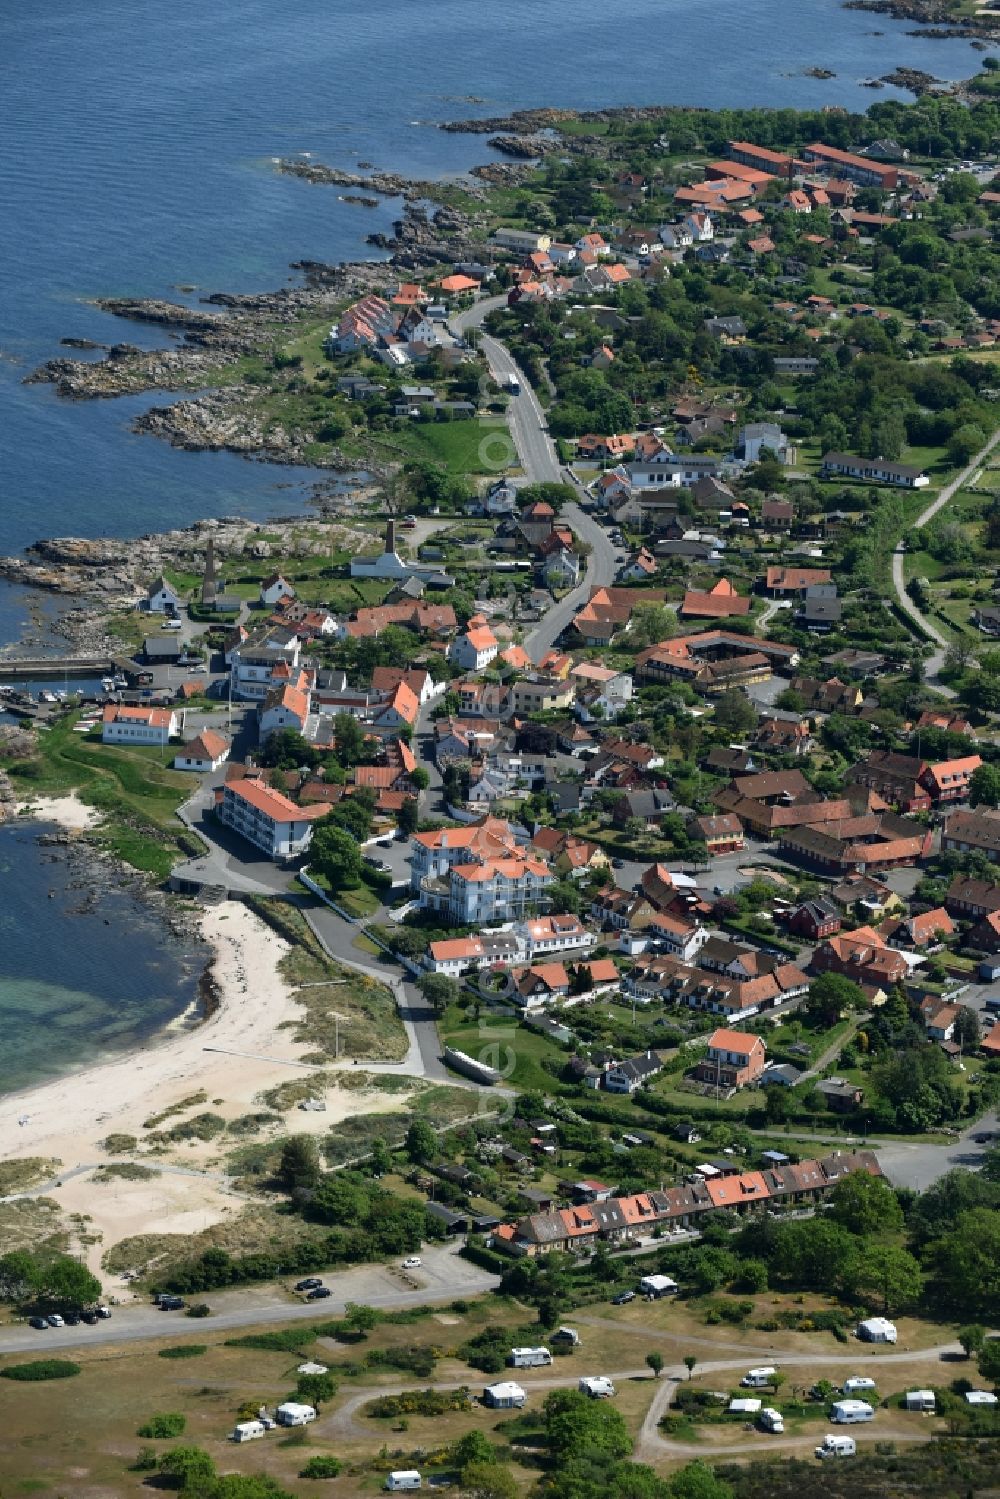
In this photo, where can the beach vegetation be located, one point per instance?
(165, 1424)
(41, 1369)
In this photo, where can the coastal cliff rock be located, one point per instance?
(390, 184)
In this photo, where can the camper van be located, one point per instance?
(403, 1478)
(849, 1412)
(246, 1431)
(771, 1420)
(597, 1386)
(294, 1414)
(756, 1379)
(529, 1358)
(833, 1446)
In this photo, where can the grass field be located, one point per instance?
(79, 1435)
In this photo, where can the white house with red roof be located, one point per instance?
(205, 753)
(123, 724)
(474, 650)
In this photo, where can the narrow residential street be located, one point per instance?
(935, 660)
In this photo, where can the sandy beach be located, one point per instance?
(240, 1051)
(68, 812)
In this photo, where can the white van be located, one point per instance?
(833, 1446)
(403, 1478)
(172, 624)
(756, 1379)
(856, 1384)
(246, 1431)
(849, 1412)
(771, 1420)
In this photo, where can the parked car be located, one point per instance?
(319, 1293)
(41, 1323)
(623, 1298)
(309, 1284)
(55, 1320)
(984, 1137)
(617, 863)
(89, 1317)
(72, 1319)
(413, 1263)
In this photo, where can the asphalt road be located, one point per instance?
(918, 1165)
(442, 1276)
(540, 464)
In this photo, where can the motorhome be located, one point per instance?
(567, 1335)
(529, 1358)
(756, 1379)
(597, 1386)
(834, 1446)
(849, 1412)
(771, 1420)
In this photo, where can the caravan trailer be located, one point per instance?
(529, 1358)
(850, 1412)
(246, 1431)
(833, 1446)
(292, 1413)
(920, 1400)
(403, 1478)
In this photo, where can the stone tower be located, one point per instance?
(210, 578)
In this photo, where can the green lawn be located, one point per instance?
(133, 787)
(456, 445)
(515, 1050)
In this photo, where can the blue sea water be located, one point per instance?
(138, 148)
(137, 155)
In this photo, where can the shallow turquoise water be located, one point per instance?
(85, 971)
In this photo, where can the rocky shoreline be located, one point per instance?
(110, 576)
(937, 18)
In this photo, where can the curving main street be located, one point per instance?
(540, 465)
